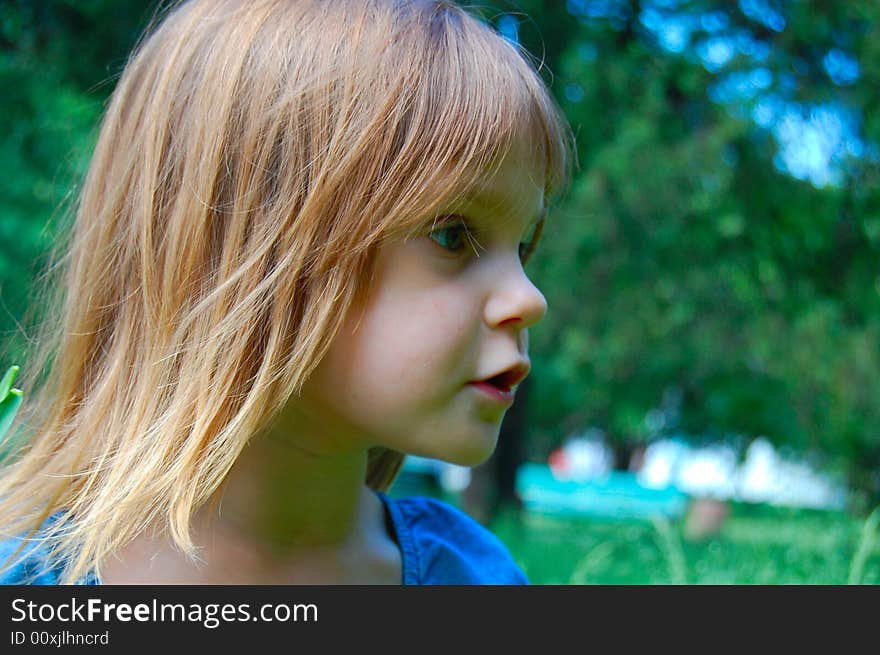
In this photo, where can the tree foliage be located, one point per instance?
(58, 62)
(695, 283)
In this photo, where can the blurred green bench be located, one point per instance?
(617, 495)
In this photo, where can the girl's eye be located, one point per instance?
(456, 236)
(453, 237)
(527, 247)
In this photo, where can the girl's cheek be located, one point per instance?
(431, 336)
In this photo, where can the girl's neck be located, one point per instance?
(284, 515)
(287, 497)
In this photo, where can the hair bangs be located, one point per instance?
(477, 98)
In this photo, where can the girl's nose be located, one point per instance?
(516, 301)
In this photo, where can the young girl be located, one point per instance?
(296, 256)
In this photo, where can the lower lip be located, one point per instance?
(494, 392)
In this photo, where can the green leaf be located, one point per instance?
(10, 400)
(6, 382)
(8, 409)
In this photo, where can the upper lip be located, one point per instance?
(510, 376)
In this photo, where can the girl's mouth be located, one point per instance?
(496, 393)
(509, 377)
(499, 386)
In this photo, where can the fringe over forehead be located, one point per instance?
(405, 104)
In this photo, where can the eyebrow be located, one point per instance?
(492, 200)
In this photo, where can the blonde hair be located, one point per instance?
(252, 158)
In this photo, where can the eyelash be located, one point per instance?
(526, 248)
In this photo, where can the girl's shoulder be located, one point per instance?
(440, 544)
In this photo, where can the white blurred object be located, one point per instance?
(661, 463)
(766, 477)
(451, 477)
(454, 478)
(714, 472)
(709, 472)
(757, 481)
(585, 457)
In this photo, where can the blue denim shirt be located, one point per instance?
(439, 545)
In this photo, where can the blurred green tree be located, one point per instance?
(689, 262)
(58, 62)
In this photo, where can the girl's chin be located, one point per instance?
(464, 444)
(471, 454)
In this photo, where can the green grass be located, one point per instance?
(756, 545)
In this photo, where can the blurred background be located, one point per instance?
(704, 404)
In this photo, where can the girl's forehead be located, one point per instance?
(514, 190)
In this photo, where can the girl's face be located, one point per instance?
(447, 308)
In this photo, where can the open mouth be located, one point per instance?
(509, 378)
(500, 386)
(495, 392)
(501, 381)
